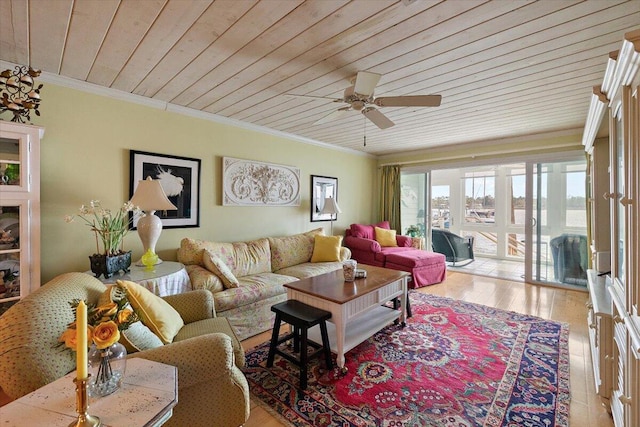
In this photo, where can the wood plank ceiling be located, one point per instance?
(504, 68)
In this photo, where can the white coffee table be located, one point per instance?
(357, 310)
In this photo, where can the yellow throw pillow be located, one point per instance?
(137, 337)
(386, 237)
(326, 248)
(156, 313)
(219, 268)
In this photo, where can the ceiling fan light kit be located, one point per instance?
(360, 97)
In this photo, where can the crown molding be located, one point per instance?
(58, 80)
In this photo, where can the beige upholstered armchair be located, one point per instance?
(212, 391)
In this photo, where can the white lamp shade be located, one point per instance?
(149, 196)
(330, 207)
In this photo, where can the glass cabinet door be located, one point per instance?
(13, 167)
(11, 260)
(619, 194)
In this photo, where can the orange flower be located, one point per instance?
(123, 316)
(107, 310)
(69, 336)
(106, 334)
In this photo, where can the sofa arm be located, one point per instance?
(198, 359)
(193, 305)
(404, 241)
(362, 244)
(212, 390)
(201, 278)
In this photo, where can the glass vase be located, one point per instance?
(107, 367)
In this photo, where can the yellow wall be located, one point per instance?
(85, 156)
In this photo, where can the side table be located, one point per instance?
(417, 242)
(166, 278)
(148, 394)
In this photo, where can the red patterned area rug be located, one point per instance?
(454, 364)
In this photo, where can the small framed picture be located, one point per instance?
(321, 188)
(180, 180)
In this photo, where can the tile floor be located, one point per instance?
(490, 267)
(509, 270)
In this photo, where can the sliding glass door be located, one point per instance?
(528, 219)
(557, 232)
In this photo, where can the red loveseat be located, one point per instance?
(426, 268)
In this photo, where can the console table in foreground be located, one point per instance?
(147, 397)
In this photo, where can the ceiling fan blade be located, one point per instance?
(377, 118)
(409, 101)
(366, 82)
(335, 115)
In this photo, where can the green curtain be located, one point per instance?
(390, 196)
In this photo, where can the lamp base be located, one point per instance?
(149, 229)
(139, 263)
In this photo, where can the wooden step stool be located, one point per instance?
(301, 317)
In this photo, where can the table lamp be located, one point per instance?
(331, 207)
(150, 197)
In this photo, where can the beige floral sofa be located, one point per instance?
(261, 268)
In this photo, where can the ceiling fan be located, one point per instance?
(360, 97)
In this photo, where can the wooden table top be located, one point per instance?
(332, 286)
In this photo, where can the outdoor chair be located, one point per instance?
(570, 259)
(456, 249)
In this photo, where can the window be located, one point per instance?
(480, 197)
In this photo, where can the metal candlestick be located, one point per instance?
(82, 406)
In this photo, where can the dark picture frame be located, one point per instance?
(180, 180)
(321, 188)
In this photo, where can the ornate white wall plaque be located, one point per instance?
(249, 183)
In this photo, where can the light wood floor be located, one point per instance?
(549, 303)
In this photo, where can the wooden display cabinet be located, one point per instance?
(619, 96)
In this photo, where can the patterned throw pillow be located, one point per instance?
(386, 238)
(220, 269)
(326, 248)
(137, 337)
